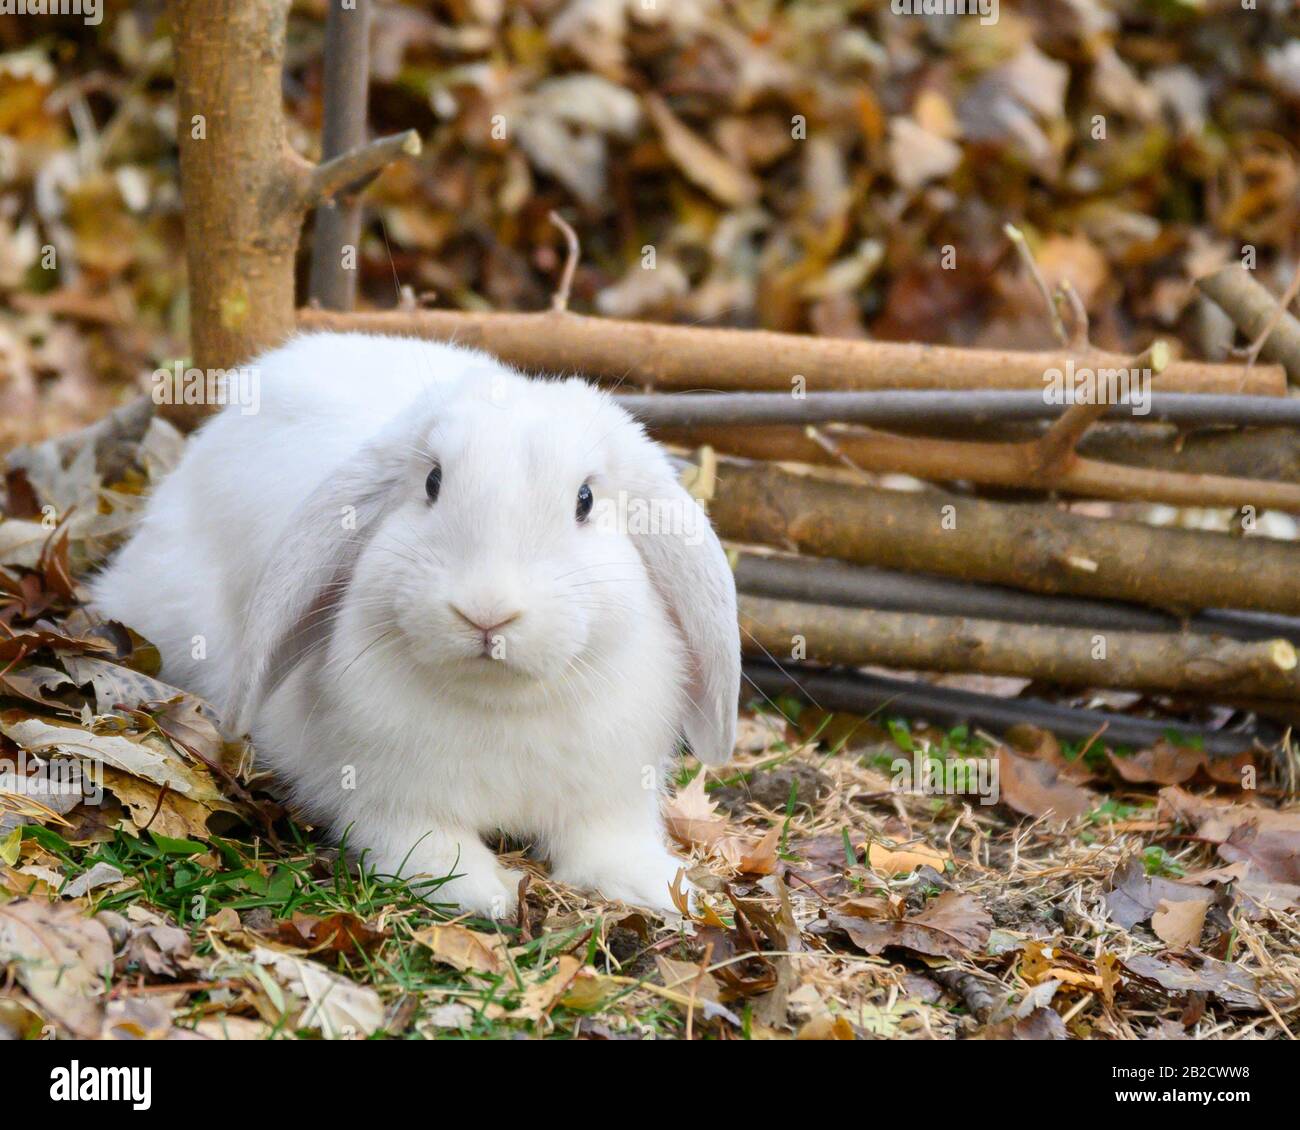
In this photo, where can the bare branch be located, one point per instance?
(937, 407)
(916, 641)
(1021, 245)
(1256, 313)
(698, 357)
(854, 692)
(1057, 446)
(1284, 304)
(560, 300)
(346, 84)
(341, 173)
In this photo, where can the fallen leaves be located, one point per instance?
(320, 998)
(951, 925)
(466, 950)
(61, 959)
(1179, 923)
(1168, 764)
(1266, 838)
(1196, 973)
(1039, 788)
(1133, 896)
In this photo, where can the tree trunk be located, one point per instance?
(244, 189)
(238, 180)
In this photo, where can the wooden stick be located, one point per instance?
(855, 692)
(1185, 663)
(346, 82)
(938, 407)
(347, 169)
(1017, 465)
(1253, 310)
(688, 357)
(823, 581)
(1036, 547)
(1055, 449)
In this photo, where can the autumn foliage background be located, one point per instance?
(822, 167)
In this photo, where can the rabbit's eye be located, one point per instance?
(433, 483)
(585, 502)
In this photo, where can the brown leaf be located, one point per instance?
(162, 949)
(1036, 788)
(466, 950)
(1168, 764)
(692, 818)
(1196, 973)
(333, 934)
(951, 925)
(699, 161)
(60, 958)
(904, 860)
(1133, 896)
(1269, 839)
(1179, 923)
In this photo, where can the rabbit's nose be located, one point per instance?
(495, 620)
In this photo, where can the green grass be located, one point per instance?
(189, 881)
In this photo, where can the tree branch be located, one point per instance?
(1076, 657)
(823, 581)
(1253, 310)
(693, 357)
(1036, 547)
(341, 173)
(939, 407)
(854, 692)
(1056, 448)
(346, 82)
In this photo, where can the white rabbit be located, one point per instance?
(445, 599)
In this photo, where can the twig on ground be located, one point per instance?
(560, 300)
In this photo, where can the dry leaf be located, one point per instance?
(1036, 788)
(60, 958)
(952, 925)
(1179, 924)
(699, 161)
(465, 949)
(904, 860)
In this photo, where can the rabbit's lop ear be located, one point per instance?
(689, 569)
(298, 593)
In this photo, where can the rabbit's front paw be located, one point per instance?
(489, 893)
(644, 876)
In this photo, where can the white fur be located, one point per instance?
(391, 727)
